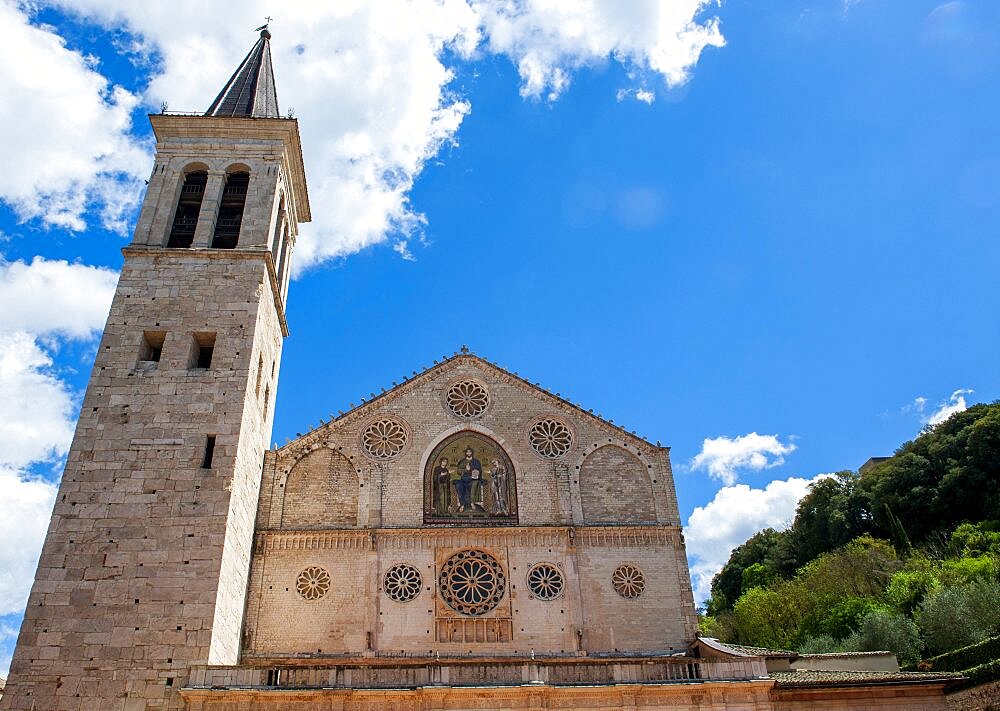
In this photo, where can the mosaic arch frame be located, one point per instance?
(463, 491)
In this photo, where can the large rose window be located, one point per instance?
(472, 582)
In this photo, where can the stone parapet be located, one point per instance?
(414, 672)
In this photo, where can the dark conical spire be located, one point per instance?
(250, 91)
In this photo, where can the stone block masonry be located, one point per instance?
(143, 571)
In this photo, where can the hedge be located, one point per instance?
(983, 673)
(965, 659)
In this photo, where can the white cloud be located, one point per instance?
(36, 408)
(370, 86)
(945, 409)
(736, 513)
(27, 505)
(549, 40)
(54, 297)
(66, 140)
(722, 457)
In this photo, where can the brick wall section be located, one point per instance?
(321, 491)
(615, 486)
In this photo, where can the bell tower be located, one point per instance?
(144, 568)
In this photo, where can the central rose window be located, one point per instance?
(472, 582)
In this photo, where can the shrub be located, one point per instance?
(957, 616)
(821, 644)
(969, 568)
(883, 630)
(977, 538)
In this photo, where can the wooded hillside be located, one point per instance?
(904, 556)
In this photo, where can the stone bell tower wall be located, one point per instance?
(145, 566)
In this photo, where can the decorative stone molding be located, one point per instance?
(429, 538)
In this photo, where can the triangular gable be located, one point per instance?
(411, 383)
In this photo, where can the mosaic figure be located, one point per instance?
(459, 487)
(498, 486)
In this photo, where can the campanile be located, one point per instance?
(144, 568)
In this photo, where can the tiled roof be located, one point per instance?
(742, 650)
(760, 651)
(838, 655)
(848, 678)
(250, 91)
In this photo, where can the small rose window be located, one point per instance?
(401, 582)
(545, 581)
(550, 438)
(384, 439)
(467, 399)
(313, 583)
(629, 581)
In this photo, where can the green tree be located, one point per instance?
(833, 513)
(767, 617)
(728, 582)
(756, 576)
(949, 475)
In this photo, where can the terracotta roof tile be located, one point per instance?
(848, 678)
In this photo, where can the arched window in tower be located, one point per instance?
(188, 207)
(469, 478)
(230, 218)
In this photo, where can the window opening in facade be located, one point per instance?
(230, 218)
(151, 348)
(202, 351)
(188, 207)
(206, 462)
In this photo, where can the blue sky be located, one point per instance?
(799, 241)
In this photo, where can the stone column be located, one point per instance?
(209, 209)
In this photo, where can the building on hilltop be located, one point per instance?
(464, 540)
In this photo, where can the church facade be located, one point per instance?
(465, 539)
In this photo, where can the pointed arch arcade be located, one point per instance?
(469, 479)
